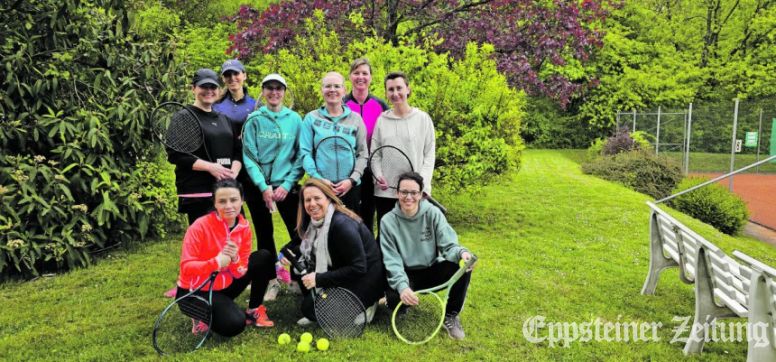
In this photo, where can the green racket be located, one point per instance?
(419, 324)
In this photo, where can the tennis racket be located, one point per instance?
(184, 325)
(178, 128)
(338, 311)
(419, 324)
(334, 158)
(390, 162)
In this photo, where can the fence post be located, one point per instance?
(733, 145)
(634, 121)
(759, 136)
(657, 134)
(688, 133)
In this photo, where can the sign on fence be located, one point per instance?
(738, 145)
(773, 139)
(751, 139)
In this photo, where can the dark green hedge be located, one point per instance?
(713, 204)
(79, 171)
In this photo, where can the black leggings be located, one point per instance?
(383, 205)
(194, 208)
(262, 219)
(228, 318)
(432, 276)
(367, 208)
(352, 198)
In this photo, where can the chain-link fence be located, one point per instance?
(714, 138)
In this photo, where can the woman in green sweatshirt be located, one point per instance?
(421, 250)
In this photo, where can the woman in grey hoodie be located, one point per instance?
(420, 250)
(407, 128)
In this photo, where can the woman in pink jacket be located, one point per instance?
(221, 240)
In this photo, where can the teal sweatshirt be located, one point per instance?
(267, 134)
(416, 242)
(318, 124)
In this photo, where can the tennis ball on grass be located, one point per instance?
(322, 344)
(284, 339)
(306, 337)
(303, 347)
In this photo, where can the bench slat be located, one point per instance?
(736, 307)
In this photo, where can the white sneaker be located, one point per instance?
(272, 291)
(370, 312)
(304, 322)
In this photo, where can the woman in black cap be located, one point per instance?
(196, 174)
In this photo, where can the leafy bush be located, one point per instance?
(78, 166)
(476, 114)
(620, 142)
(640, 170)
(713, 204)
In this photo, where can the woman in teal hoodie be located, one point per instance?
(335, 119)
(421, 250)
(272, 131)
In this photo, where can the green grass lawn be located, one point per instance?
(720, 162)
(552, 242)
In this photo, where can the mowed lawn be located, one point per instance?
(552, 242)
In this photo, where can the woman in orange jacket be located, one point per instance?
(221, 240)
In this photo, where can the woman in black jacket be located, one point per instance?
(337, 249)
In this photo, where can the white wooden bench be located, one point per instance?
(671, 245)
(723, 286)
(762, 309)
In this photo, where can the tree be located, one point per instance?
(535, 41)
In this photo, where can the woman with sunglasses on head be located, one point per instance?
(409, 129)
(195, 174)
(273, 130)
(337, 249)
(221, 241)
(420, 250)
(369, 107)
(335, 119)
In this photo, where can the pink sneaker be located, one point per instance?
(171, 293)
(198, 327)
(283, 275)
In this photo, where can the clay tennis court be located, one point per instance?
(759, 192)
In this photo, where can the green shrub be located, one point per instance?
(79, 169)
(640, 170)
(642, 140)
(713, 204)
(476, 114)
(595, 149)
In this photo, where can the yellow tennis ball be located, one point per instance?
(306, 337)
(303, 347)
(462, 263)
(284, 339)
(322, 344)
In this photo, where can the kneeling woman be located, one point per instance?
(337, 247)
(421, 250)
(221, 240)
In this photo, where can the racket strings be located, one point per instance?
(340, 313)
(334, 159)
(393, 163)
(183, 132)
(418, 323)
(180, 329)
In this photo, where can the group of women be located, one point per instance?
(330, 222)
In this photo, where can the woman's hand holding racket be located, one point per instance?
(408, 297)
(279, 194)
(218, 171)
(381, 183)
(309, 281)
(466, 256)
(342, 187)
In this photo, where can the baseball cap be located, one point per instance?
(274, 77)
(233, 65)
(205, 76)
